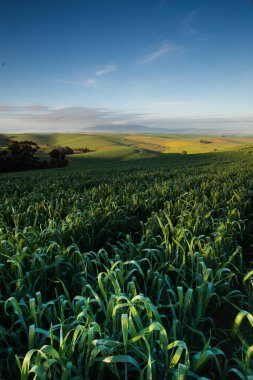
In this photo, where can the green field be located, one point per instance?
(130, 263)
(106, 143)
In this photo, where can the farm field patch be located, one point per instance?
(190, 144)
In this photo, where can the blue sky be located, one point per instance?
(72, 65)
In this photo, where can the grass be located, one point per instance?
(129, 263)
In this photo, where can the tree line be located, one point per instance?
(21, 155)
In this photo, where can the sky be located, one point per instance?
(71, 65)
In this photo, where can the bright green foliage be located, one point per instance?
(136, 271)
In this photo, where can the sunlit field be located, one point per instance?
(107, 142)
(190, 144)
(130, 263)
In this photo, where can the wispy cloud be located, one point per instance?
(163, 49)
(106, 70)
(12, 109)
(90, 82)
(87, 82)
(188, 23)
(188, 27)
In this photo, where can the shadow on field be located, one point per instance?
(140, 158)
(135, 158)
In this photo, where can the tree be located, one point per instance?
(23, 150)
(19, 156)
(55, 154)
(58, 159)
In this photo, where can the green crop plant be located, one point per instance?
(135, 271)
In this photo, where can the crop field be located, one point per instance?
(128, 264)
(191, 143)
(105, 144)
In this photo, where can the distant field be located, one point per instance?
(110, 145)
(192, 144)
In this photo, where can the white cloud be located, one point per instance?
(161, 50)
(106, 70)
(37, 118)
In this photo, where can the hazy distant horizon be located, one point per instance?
(39, 119)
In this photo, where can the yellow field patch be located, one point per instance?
(192, 144)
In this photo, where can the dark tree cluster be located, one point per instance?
(20, 155)
(83, 150)
(203, 141)
(67, 150)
